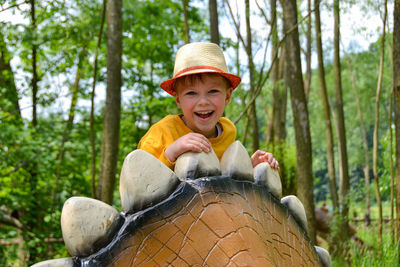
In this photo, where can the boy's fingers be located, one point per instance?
(199, 146)
(195, 147)
(205, 147)
(201, 138)
(275, 164)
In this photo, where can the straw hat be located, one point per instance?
(199, 58)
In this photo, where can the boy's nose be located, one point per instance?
(203, 100)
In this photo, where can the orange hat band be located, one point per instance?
(197, 68)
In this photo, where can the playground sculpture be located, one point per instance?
(205, 213)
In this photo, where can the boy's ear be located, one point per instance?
(178, 103)
(228, 95)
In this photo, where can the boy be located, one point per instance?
(202, 88)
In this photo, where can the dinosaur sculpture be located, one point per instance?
(205, 213)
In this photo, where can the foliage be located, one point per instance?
(31, 190)
(365, 68)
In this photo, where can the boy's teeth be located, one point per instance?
(204, 114)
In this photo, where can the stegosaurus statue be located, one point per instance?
(205, 213)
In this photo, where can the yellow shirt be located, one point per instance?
(163, 133)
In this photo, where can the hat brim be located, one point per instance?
(169, 85)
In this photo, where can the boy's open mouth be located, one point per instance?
(204, 115)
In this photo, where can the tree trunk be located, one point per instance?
(396, 104)
(270, 133)
(391, 169)
(249, 52)
(392, 175)
(112, 113)
(8, 91)
(279, 92)
(92, 131)
(294, 81)
(376, 128)
(34, 69)
(365, 144)
(344, 185)
(307, 84)
(33, 222)
(213, 10)
(327, 110)
(276, 130)
(185, 17)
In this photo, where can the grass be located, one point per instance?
(371, 253)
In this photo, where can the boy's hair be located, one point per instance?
(199, 77)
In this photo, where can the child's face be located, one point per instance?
(203, 102)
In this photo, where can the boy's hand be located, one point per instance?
(190, 142)
(261, 156)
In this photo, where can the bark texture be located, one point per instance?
(344, 181)
(294, 80)
(376, 128)
(34, 67)
(396, 92)
(110, 141)
(92, 96)
(8, 91)
(249, 51)
(276, 130)
(307, 82)
(185, 19)
(327, 110)
(213, 10)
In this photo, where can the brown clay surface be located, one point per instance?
(213, 223)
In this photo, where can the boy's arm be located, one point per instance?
(262, 156)
(190, 142)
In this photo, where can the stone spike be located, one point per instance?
(144, 181)
(87, 225)
(297, 210)
(324, 256)
(63, 262)
(236, 162)
(192, 165)
(265, 175)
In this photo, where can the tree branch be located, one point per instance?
(259, 87)
(263, 13)
(10, 221)
(22, 164)
(236, 25)
(17, 241)
(16, 5)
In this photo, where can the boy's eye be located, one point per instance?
(190, 93)
(213, 91)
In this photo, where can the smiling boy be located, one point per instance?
(202, 87)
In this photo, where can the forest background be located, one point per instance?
(77, 78)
